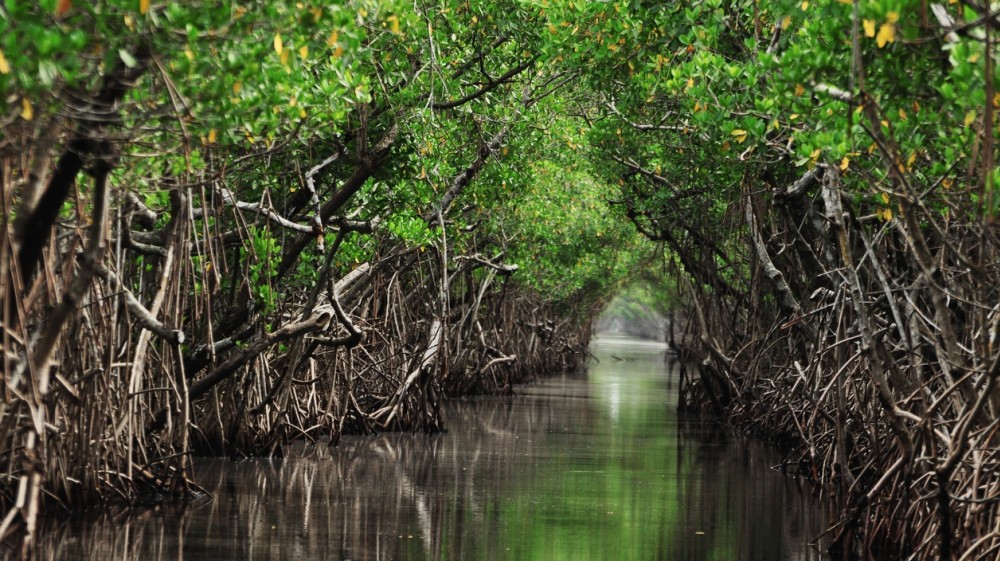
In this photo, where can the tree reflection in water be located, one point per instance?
(593, 466)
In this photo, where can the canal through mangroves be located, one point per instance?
(593, 466)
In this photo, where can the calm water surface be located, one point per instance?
(588, 467)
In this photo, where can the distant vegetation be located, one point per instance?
(640, 309)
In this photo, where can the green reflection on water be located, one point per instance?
(616, 495)
(594, 467)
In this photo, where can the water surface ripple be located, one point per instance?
(594, 466)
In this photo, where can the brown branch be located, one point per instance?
(230, 366)
(463, 178)
(872, 347)
(352, 185)
(143, 315)
(490, 86)
(426, 361)
(38, 228)
(92, 255)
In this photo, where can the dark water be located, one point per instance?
(587, 467)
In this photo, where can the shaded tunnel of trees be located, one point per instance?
(231, 227)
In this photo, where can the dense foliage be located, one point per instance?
(227, 226)
(824, 172)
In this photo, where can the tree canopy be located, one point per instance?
(227, 226)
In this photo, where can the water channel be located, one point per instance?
(593, 466)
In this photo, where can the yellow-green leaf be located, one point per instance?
(4, 65)
(27, 112)
(278, 44)
(739, 135)
(886, 34)
(304, 51)
(869, 25)
(970, 117)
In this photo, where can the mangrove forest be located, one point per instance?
(233, 228)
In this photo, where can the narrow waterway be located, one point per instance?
(595, 466)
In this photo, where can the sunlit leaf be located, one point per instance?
(886, 34)
(127, 58)
(869, 25)
(393, 24)
(27, 112)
